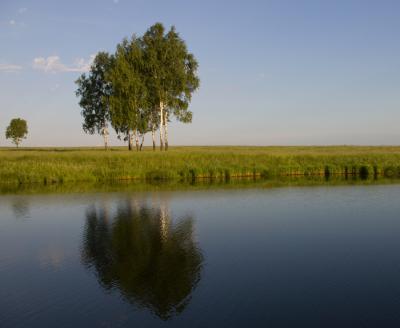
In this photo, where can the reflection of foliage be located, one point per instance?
(154, 263)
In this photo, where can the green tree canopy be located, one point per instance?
(129, 95)
(17, 130)
(94, 92)
(148, 80)
(171, 76)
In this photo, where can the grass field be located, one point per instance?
(55, 165)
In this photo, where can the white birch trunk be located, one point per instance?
(153, 137)
(166, 131)
(105, 137)
(161, 125)
(136, 140)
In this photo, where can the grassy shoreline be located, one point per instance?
(182, 186)
(61, 165)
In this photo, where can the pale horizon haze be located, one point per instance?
(273, 72)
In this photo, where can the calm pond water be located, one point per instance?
(280, 257)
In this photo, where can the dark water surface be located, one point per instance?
(283, 257)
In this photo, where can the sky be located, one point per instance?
(273, 72)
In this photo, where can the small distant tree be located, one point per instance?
(94, 92)
(17, 130)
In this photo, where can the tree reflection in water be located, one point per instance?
(150, 258)
(21, 208)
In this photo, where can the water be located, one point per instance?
(280, 257)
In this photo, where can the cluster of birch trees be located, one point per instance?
(139, 89)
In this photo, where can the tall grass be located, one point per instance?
(190, 163)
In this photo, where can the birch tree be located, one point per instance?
(154, 122)
(171, 73)
(156, 73)
(182, 72)
(128, 98)
(148, 81)
(94, 92)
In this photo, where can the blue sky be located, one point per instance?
(272, 72)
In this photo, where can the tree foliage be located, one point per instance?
(148, 80)
(17, 130)
(171, 75)
(94, 92)
(129, 95)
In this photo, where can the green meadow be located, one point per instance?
(62, 165)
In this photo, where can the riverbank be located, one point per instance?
(60, 165)
(138, 186)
